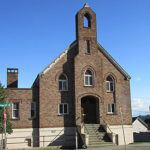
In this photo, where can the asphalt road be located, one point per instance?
(129, 147)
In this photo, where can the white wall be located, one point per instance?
(128, 133)
(48, 137)
(57, 136)
(139, 127)
(18, 138)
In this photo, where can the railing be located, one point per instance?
(42, 141)
(106, 124)
(83, 140)
(83, 126)
(79, 132)
(113, 135)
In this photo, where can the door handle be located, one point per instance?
(84, 114)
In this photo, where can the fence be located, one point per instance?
(42, 141)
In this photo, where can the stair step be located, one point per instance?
(96, 139)
(99, 142)
(101, 145)
(97, 136)
(96, 132)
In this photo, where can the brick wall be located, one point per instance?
(24, 98)
(73, 63)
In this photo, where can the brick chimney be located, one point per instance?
(12, 77)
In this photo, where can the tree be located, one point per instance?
(2, 101)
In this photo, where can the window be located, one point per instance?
(63, 109)
(63, 83)
(15, 111)
(87, 21)
(110, 84)
(32, 110)
(88, 46)
(88, 78)
(111, 108)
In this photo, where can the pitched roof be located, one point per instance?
(105, 53)
(58, 58)
(111, 59)
(140, 120)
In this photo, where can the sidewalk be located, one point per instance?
(129, 147)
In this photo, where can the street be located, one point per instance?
(129, 147)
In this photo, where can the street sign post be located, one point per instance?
(5, 118)
(5, 105)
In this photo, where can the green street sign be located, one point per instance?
(5, 105)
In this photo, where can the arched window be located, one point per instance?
(87, 21)
(88, 78)
(110, 84)
(63, 83)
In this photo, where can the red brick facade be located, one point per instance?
(74, 62)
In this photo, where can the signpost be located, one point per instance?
(123, 129)
(5, 105)
(5, 118)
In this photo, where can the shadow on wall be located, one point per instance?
(67, 139)
(35, 121)
(141, 137)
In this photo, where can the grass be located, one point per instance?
(141, 142)
(52, 148)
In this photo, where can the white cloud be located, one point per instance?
(140, 106)
(137, 79)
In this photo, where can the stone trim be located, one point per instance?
(111, 59)
(58, 58)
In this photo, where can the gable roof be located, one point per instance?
(140, 120)
(55, 61)
(101, 49)
(111, 59)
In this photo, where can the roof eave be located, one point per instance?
(58, 58)
(111, 59)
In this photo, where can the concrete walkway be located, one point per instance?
(129, 147)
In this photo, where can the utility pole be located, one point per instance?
(5, 145)
(4, 128)
(2, 137)
(123, 129)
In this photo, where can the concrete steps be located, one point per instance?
(97, 136)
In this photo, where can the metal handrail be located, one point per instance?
(85, 128)
(58, 135)
(77, 130)
(106, 125)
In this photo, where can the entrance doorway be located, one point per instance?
(89, 109)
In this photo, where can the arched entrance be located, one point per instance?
(90, 109)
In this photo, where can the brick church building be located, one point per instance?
(82, 89)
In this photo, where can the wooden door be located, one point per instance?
(88, 110)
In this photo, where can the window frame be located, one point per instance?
(88, 77)
(62, 83)
(13, 117)
(88, 50)
(111, 108)
(32, 117)
(108, 84)
(63, 113)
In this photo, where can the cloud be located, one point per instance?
(140, 106)
(137, 79)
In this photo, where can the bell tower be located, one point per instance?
(86, 32)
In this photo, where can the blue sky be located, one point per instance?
(35, 32)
